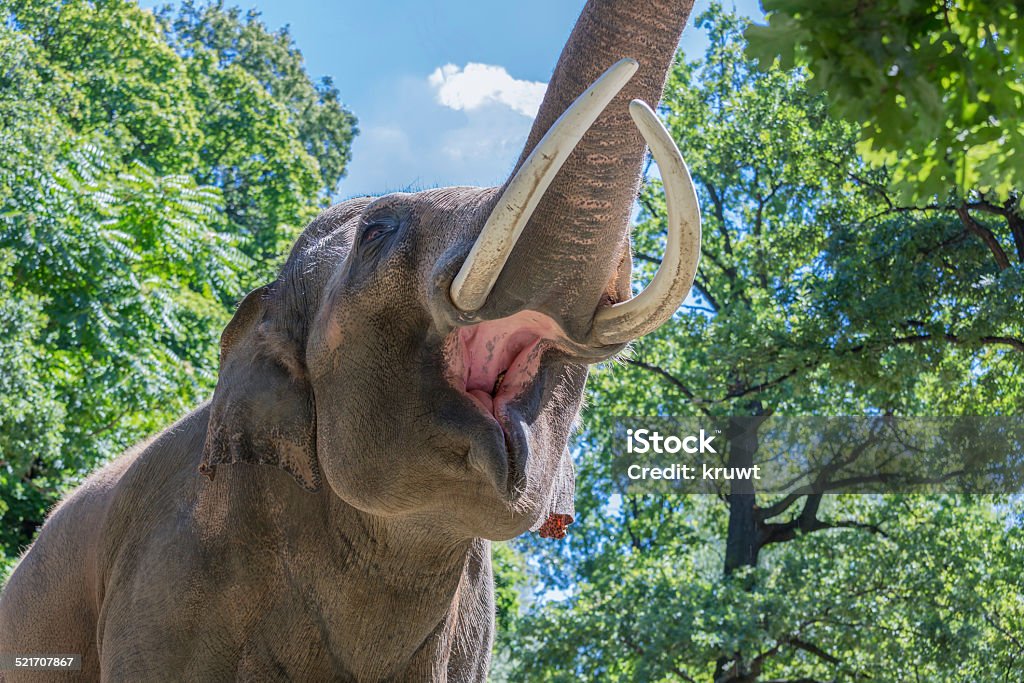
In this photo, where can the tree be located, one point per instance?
(936, 599)
(792, 316)
(323, 125)
(204, 93)
(934, 86)
(273, 137)
(125, 235)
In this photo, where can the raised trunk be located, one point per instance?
(575, 250)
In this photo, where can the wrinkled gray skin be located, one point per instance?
(341, 530)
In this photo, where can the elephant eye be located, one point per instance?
(375, 231)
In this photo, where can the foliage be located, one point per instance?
(919, 304)
(935, 86)
(816, 294)
(321, 123)
(509, 578)
(935, 599)
(124, 238)
(272, 137)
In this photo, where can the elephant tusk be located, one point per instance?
(652, 307)
(506, 222)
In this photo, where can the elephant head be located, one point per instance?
(424, 355)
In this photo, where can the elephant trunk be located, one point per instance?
(572, 258)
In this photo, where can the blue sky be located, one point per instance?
(445, 91)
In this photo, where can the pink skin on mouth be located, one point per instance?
(479, 354)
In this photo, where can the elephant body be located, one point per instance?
(258, 580)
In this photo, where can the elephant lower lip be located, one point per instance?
(501, 450)
(517, 452)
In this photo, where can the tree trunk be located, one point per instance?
(742, 544)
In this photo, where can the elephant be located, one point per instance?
(399, 397)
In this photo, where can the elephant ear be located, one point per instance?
(561, 510)
(262, 410)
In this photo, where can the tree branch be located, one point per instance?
(778, 508)
(994, 623)
(1018, 344)
(762, 275)
(1016, 221)
(813, 649)
(1007, 211)
(705, 291)
(1017, 228)
(780, 533)
(719, 211)
(741, 391)
(821, 482)
(633, 540)
(986, 236)
(745, 390)
(1013, 342)
(675, 381)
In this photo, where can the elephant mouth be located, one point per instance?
(494, 362)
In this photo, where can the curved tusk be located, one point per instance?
(511, 214)
(652, 307)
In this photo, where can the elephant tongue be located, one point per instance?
(499, 358)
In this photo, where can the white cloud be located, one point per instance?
(410, 141)
(493, 137)
(475, 85)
